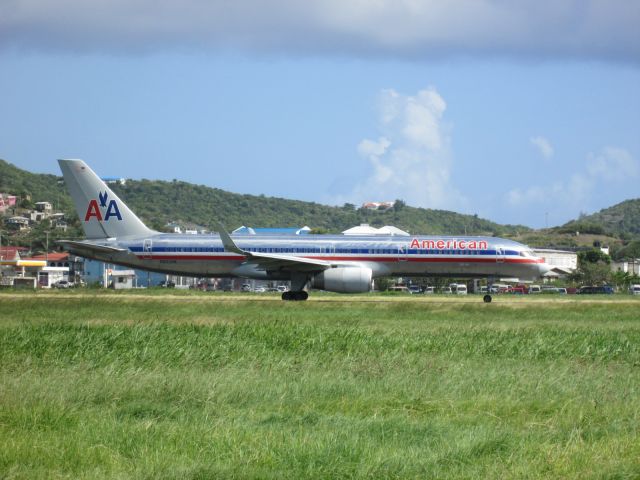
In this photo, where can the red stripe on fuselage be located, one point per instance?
(463, 259)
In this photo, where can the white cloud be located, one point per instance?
(610, 166)
(543, 145)
(368, 148)
(592, 29)
(413, 160)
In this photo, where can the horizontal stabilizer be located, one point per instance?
(82, 247)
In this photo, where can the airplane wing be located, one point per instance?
(273, 261)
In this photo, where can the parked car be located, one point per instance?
(246, 287)
(167, 284)
(398, 289)
(415, 289)
(518, 290)
(634, 289)
(590, 290)
(429, 290)
(204, 285)
(550, 289)
(63, 284)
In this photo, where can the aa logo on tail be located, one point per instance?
(94, 210)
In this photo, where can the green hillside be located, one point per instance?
(159, 202)
(41, 187)
(620, 220)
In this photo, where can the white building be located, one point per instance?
(365, 229)
(562, 262)
(45, 207)
(631, 267)
(122, 279)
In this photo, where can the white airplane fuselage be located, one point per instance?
(336, 263)
(205, 255)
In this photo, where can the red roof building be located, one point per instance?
(9, 253)
(54, 259)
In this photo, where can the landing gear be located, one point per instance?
(295, 296)
(487, 299)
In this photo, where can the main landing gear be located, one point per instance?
(295, 296)
(487, 297)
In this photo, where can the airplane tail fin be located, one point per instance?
(102, 214)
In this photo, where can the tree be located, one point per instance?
(399, 205)
(594, 255)
(594, 273)
(593, 268)
(624, 279)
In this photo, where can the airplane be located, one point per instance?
(336, 263)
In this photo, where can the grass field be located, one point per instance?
(192, 386)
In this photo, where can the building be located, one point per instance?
(11, 253)
(114, 180)
(19, 272)
(175, 228)
(7, 201)
(44, 207)
(58, 221)
(563, 262)
(97, 272)
(378, 205)
(632, 266)
(271, 231)
(365, 229)
(54, 259)
(122, 279)
(19, 223)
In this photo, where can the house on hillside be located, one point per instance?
(114, 180)
(18, 223)
(44, 207)
(12, 253)
(7, 201)
(378, 205)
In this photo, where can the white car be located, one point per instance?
(634, 289)
(63, 284)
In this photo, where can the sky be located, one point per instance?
(521, 112)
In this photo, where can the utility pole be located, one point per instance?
(46, 252)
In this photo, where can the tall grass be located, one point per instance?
(124, 386)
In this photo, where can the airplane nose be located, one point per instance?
(543, 268)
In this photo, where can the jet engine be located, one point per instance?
(343, 280)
